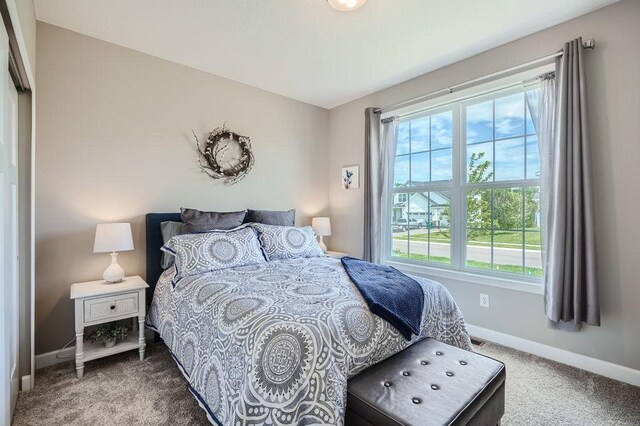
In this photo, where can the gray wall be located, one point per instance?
(114, 142)
(614, 93)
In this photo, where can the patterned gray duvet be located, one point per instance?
(275, 343)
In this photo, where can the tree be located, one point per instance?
(478, 201)
(508, 207)
(508, 203)
(531, 207)
(477, 170)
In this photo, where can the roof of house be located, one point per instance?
(436, 198)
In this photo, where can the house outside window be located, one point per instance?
(466, 186)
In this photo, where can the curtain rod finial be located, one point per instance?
(590, 43)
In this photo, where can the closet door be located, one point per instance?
(9, 320)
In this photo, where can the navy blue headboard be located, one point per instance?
(154, 243)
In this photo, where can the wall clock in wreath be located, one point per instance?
(225, 155)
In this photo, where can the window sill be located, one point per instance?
(511, 283)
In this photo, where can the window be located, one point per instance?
(466, 185)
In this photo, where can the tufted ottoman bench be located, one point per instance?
(429, 383)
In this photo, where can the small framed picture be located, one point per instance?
(350, 177)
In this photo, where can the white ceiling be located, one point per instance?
(304, 49)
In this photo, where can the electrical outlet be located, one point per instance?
(484, 300)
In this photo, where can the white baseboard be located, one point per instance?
(597, 366)
(55, 357)
(26, 383)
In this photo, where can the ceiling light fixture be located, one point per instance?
(346, 5)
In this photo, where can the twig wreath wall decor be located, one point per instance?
(225, 155)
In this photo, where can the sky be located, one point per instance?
(428, 140)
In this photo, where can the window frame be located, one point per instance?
(430, 187)
(458, 186)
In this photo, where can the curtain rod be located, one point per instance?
(589, 44)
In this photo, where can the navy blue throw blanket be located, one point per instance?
(390, 294)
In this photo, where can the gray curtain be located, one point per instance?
(380, 148)
(571, 294)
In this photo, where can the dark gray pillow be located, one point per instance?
(198, 221)
(169, 230)
(270, 217)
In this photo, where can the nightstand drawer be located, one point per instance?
(110, 306)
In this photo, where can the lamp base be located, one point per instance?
(114, 273)
(322, 245)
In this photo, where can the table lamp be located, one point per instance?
(113, 237)
(322, 228)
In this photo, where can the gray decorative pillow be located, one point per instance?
(198, 221)
(211, 251)
(169, 230)
(287, 242)
(271, 217)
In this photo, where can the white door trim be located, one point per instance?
(29, 70)
(11, 138)
(9, 176)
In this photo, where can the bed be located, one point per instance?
(277, 342)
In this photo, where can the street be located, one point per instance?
(501, 256)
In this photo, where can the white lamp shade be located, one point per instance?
(321, 226)
(346, 5)
(112, 237)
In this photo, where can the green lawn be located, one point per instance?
(500, 238)
(536, 272)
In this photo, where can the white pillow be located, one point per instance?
(212, 251)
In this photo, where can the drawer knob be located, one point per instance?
(113, 307)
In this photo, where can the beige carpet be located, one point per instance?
(121, 390)
(117, 390)
(543, 392)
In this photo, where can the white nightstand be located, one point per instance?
(336, 254)
(96, 303)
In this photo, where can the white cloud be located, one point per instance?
(509, 127)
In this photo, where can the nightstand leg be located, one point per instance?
(80, 352)
(141, 341)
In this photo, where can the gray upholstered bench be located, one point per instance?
(429, 383)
